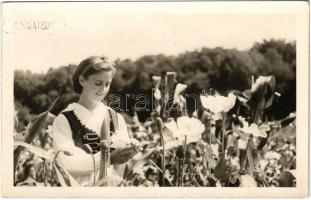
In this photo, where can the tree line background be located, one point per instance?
(217, 68)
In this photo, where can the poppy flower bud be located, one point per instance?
(68, 153)
(104, 144)
(231, 151)
(156, 81)
(198, 154)
(160, 123)
(87, 148)
(180, 152)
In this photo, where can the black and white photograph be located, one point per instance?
(155, 96)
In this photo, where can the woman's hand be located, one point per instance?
(122, 155)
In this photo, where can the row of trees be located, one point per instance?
(217, 68)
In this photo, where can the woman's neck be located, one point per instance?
(87, 103)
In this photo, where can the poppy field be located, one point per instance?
(228, 141)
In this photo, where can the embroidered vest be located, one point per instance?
(82, 135)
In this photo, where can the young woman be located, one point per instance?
(77, 128)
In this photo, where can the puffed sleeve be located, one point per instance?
(122, 133)
(80, 162)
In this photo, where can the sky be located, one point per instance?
(39, 36)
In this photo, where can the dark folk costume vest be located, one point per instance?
(82, 135)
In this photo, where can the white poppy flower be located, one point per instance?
(272, 155)
(218, 103)
(262, 165)
(186, 126)
(215, 150)
(243, 121)
(248, 181)
(178, 90)
(171, 127)
(117, 142)
(255, 130)
(260, 81)
(157, 94)
(191, 127)
(157, 81)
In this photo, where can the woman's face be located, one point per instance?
(96, 86)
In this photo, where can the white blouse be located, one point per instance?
(80, 164)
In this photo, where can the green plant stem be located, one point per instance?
(223, 131)
(94, 169)
(105, 151)
(155, 165)
(44, 171)
(210, 148)
(163, 159)
(55, 157)
(163, 169)
(183, 162)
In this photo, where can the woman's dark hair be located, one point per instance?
(90, 66)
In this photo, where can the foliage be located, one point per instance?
(217, 68)
(186, 151)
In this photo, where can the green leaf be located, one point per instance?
(64, 177)
(262, 94)
(35, 150)
(109, 180)
(34, 129)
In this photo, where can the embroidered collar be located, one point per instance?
(92, 119)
